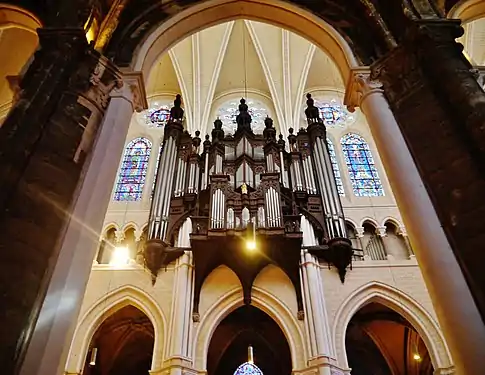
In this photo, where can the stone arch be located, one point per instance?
(278, 13)
(401, 303)
(17, 17)
(129, 225)
(261, 299)
(468, 10)
(370, 221)
(392, 220)
(105, 307)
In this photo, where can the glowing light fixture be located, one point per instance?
(416, 357)
(94, 353)
(120, 256)
(251, 245)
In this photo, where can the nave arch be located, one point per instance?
(275, 12)
(107, 306)
(399, 302)
(264, 301)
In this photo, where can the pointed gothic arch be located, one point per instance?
(264, 301)
(104, 307)
(398, 301)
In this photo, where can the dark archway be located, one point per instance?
(244, 327)
(123, 345)
(380, 341)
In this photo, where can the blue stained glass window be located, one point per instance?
(336, 170)
(248, 368)
(133, 170)
(360, 163)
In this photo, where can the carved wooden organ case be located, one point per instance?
(244, 187)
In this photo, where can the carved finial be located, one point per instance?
(292, 140)
(217, 132)
(312, 113)
(243, 119)
(269, 133)
(196, 142)
(177, 113)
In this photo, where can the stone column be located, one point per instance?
(444, 279)
(317, 316)
(181, 317)
(432, 90)
(52, 335)
(43, 142)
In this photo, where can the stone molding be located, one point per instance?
(359, 86)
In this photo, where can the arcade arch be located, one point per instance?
(265, 302)
(402, 304)
(93, 318)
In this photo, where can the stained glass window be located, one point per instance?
(248, 368)
(157, 166)
(228, 112)
(336, 170)
(333, 113)
(133, 170)
(360, 163)
(158, 116)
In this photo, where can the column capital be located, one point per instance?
(359, 232)
(360, 84)
(132, 89)
(381, 231)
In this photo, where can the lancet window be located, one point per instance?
(133, 170)
(336, 170)
(360, 163)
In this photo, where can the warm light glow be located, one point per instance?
(92, 29)
(120, 256)
(416, 357)
(251, 245)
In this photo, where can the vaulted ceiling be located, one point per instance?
(243, 58)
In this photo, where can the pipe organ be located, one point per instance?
(235, 187)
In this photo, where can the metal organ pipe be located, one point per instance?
(284, 178)
(197, 176)
(336, 210)
(161, 182)
(166, 203)
(206, 172)
(323, 190)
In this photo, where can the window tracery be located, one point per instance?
(133, 170)
(333, 113)
(228, 112)
(336, 170)
(156, 116)
(360, 163)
